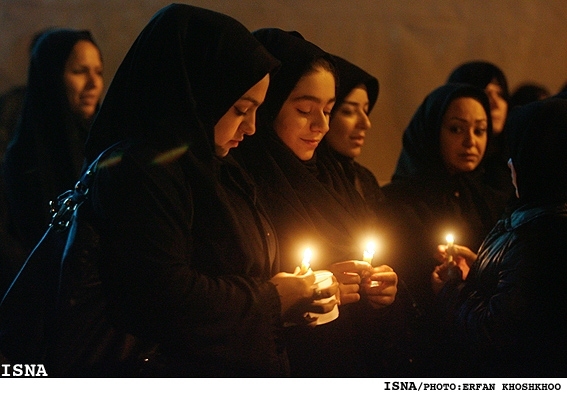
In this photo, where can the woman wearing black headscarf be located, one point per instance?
(46, 155)
(491, 79)
(188, 257)
(356, 95)
(510, 315)
(436, 188)
(310, 200)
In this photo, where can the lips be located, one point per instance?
(311, 143)
(358, 139)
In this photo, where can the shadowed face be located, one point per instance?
(83, 79)
(240, 120)
(350, 123)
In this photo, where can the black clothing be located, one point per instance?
(186, 250)
(511, 310)
(427, 202)
(509, 318)
(495, 163)
(312, 204)
(46, 155)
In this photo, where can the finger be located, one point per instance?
(349, 289)
(349, 298)
(381, 300)
(383, 268)
(385, 277)
(348, 278)
(296, 271)
(326, 292)
(351, 266)
(322, 307)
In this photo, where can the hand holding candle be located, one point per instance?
(454, 272)
(368, 254)
(450, 248)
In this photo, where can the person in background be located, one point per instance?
(506, 307)
(46, 155)
(188, 257)
(356, 95)
(487, 76)
(528, 93)
(437, 189)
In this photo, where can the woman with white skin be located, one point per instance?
(349, 125)
(311, 202)
(437, 188)
(46, 155)
(490, 78)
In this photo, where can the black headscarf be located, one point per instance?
(351, 76)
(480, 74)
(46, 155)
(538, 148)
(421, 153)
(186, 264)
(311, 202)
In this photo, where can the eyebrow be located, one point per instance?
(313, 98)
(466, 121)
(252, 100)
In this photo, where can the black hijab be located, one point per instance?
(351, 76)
(310, 202)
(167, 98)
(46, 155)
(538, 148)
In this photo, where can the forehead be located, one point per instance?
(84, 51)
(319, 83)
(358, 95)
(465, 107)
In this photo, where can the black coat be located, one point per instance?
(510, 316)
(186, 251)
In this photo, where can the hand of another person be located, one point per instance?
(463, 258)
(458, 269)
(381, 286)
(348, 274)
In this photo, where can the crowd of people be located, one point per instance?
(219, 157)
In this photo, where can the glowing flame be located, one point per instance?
(306, 258)
(450, 239)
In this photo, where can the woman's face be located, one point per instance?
(303, 119)
(240, 119)
(83, 79)
(463, 135)
(498, 106)
(349, 123)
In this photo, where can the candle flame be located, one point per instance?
(307, 257)
(450, 239)
(370, 249)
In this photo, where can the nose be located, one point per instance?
(364, 121)
(320, 123)
(468, 140)
(248, 125)
(94, 80)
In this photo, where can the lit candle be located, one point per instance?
(368, 254)
(305, 267)
(450, 248)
